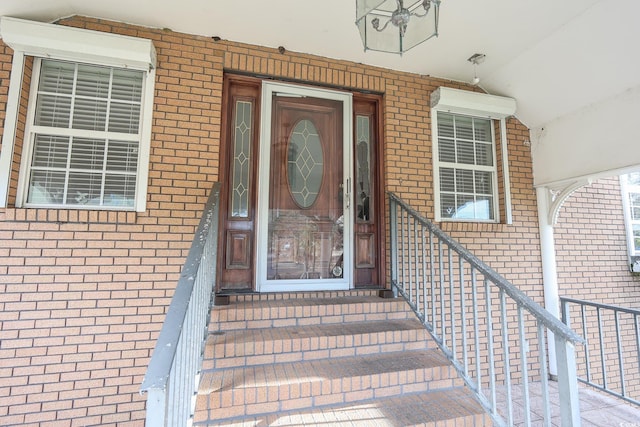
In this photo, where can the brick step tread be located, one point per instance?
(268, 359)
(287, 312)
(274, 345)
(250, 341)
(450, 407)
(328, 380)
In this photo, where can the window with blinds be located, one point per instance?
(85, 135)
(631, 201)
(465, 168)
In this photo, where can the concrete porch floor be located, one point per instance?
(598, 409)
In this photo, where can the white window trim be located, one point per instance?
(480, 105)
(437, 164)
(29, 38)
(10, 125)
(77, 44)
(634, 255)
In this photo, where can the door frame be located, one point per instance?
(271, 89)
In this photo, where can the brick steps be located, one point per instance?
(296, 343)
(254, 314)
(317, 359)
(286, 386)
(430, 409)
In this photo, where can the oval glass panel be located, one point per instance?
(305, 164)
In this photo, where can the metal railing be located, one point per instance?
(610, 360)
(494, 335)
(172, 377)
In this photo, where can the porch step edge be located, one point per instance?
(452, 406)
(271, 296)
(297, 343)
(299, 312)
(284, 386)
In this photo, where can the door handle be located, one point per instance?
(348, 195)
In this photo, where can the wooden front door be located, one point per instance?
(301, 207)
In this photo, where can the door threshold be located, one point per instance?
(226, 297)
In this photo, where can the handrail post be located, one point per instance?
(567, 382)
(156, 407)
(393, 217)
(565, 312)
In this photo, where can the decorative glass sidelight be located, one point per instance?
(363, 168)
(241, 168)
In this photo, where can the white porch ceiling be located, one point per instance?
(572, 65)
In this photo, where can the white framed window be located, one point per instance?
(630, 185)
(84, 134)
(88, 128)
(465, 172)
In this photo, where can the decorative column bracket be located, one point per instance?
(558, 193)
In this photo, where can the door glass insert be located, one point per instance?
(305, 164)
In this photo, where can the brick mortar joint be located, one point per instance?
(67, 216)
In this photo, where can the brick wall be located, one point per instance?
(592, 261)
(84, 293)
(591, 247)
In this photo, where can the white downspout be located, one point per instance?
(549, 270)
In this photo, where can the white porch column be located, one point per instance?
(549, 269)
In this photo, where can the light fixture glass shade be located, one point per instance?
(385, 15)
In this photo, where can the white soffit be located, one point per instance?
(597, 141)
(472, 103)
(50, 40)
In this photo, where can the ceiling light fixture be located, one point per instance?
(374, 16)
(475, 59)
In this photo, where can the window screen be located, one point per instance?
(85, 135)
(466, 167)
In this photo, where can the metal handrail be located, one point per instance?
(613, 371)
(172, 376)
(477, 317)
(550, 321)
